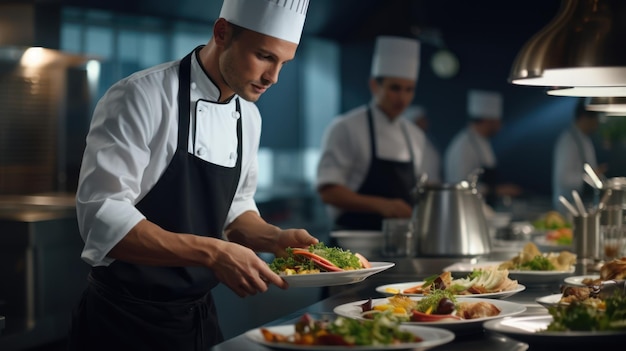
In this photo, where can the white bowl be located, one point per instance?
(367, 243)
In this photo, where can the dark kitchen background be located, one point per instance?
(45, 114)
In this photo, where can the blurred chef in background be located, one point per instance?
(471, 148)
(572, 150)
(431, 161)
(371, 157)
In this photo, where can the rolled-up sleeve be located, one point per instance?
(337, 155)
(120, 150)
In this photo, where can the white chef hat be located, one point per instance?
(282, 19)
(484, 104)
(396, 57)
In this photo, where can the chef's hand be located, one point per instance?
(395, 208)
(293, 238)
(243, 271)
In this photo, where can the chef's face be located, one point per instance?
(392, 95)
(251, 62)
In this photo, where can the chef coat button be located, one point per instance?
(193, 85)
(233, 155)
(235, 114)
(200, 151)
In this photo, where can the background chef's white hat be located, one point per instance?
(396, 57)
(282, 19)
(484, 104)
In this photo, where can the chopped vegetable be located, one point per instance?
(380, 330)
(578, 316)
(316, 258)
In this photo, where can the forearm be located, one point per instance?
(149, 244)
(252, 231)
(348, 200)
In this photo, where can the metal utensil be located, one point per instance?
(604, 199)
(579, 203)
(593, 175)
(569, 206)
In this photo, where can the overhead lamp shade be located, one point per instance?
(607, 104)
(583, 46)
(588, 91)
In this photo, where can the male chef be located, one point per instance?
(165, 197)
(471, 149)
(371, 156)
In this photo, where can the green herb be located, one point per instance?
(538, 263)
(341, 258)
(383, 329)
(344, 259)
(579, 316)
(428, 281)
(432, 300)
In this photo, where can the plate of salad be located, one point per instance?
(487, 283)
(320, 265)
(527, 277)
(343, 333)
(441, 309)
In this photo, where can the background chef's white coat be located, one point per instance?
(346, 147)
(132, 139)
(467, 151)
(568, 163)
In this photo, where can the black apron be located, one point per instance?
(385, 178)
(164, 308)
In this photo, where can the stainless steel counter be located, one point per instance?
(408, 270)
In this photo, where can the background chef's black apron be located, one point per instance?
(164, 308)
(385, 178)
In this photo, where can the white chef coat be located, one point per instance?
(346, 147)
(132, 138)
(467, 151)
(572, 149)
(431, 162)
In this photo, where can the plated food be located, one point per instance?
(532, 330)
(467, 314)
(481, 282)
(318, 258)
(558, 231)
(532, 259)
(341, 333)
(319, 265)
(335, 278)
(612, 270)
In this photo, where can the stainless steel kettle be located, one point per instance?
(450, 220)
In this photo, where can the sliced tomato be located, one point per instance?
(318, 260)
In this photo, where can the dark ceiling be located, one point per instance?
(350, 20)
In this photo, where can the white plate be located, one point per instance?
(397, 288)
(549, 301)
(353, 310)
(335, 278)
(545, 245)
(578, 280)
(431, 337)
(527, 278)
(529, 330)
